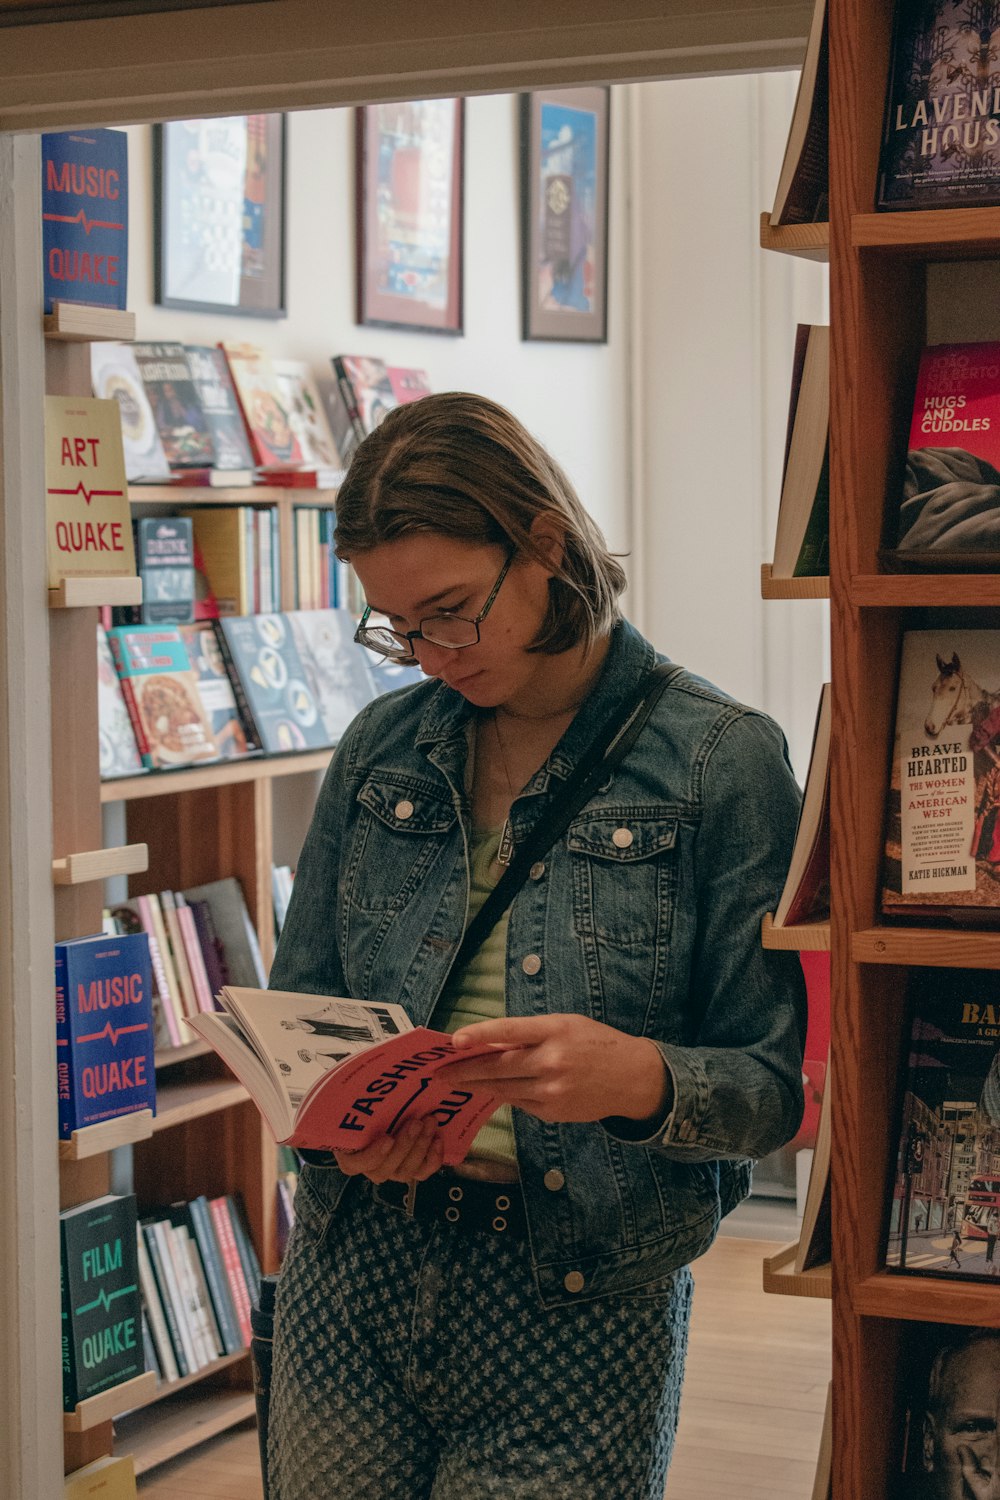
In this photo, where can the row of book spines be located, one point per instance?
(238, 553)
(199, 1276)
(322, 581)
(186, 959)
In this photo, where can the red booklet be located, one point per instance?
(329, 1073)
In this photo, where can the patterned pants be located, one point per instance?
(415, 1362)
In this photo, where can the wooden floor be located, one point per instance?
(756, 1383)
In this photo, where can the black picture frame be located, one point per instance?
(565, 160)
(417, 282)
(219, 215)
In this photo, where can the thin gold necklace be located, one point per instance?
(505, 851)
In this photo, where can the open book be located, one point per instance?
(331, 1073)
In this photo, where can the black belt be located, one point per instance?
(464, 1203)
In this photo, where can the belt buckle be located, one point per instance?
(410, 1197)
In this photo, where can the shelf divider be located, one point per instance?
(791, 588)
(79, 323)
(89, 593)
(100, 864)
(96, 1140)
(804, 937)
(110, 1403)
(927, 947)
(808, 241)
(780, 1276)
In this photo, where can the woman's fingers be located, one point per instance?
(413, 1153)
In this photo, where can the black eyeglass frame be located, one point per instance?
(405, 637)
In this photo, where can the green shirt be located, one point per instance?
(476, 993)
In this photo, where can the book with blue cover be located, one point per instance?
(85, 217)
(101, 1310)
(104, 1029)
(273, 676)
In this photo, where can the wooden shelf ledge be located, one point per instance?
(180, 1422)
(90, 593)
(791, 588)
(168, 1057)
(76, 323)
(927, 1299)
(781, 1277)
(163, 1390)
(896, 590)
(110, 1404)
(100, 864)
(222, 773)
(932, 234)
(808, 241)
(805, 937)
(180, 1103)
(95, 1140)
(926, 947)
(180, 495)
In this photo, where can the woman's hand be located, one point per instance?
(413, 1154)
(566, 1068)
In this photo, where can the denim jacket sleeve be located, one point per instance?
(738, 1088)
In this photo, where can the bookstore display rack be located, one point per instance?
(184, 828)
(879, 292)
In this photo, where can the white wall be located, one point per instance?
(571, 395)
(716, 320)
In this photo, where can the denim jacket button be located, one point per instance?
(573, 1282)
(537, 870)
(622, 838)
(531, 963)
(554, 1180)
(404, 809)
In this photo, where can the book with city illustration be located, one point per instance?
(336, 1074)
(942, 839)
(944, 1197)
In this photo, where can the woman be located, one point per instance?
(516, 1326)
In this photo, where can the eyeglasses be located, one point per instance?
(451, 631)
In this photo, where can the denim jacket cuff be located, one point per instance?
(683, 1126)
(638, 1132)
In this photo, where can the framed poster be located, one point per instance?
(220, 215)
(409, 215)
(564, 214)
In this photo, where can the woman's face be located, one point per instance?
(424, 574)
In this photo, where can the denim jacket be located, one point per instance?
(657, 934)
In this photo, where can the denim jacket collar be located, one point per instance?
(444, 726)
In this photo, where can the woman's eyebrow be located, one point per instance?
(456, 588)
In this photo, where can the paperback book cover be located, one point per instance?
(942, 847)
(238, 948)
(85, 217)
(949, 515)
(219, 402)
(269, 429)
(336, 666)
(306, 414)
(232, 729)
(803, 192)
(941, 130)
(101, 1311)
(105, 1479)
(367, 389)
(160, 689)
(115, 376)
(944, 1206)
(119, 753)
(104, 1029)
(285, 711)
(407, 384)
(329, 1073)
(87, 513)
(946, 1397)
(172, 394)
(165, 551)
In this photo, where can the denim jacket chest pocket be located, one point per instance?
(401, 828)
(624, 871)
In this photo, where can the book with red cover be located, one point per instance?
(407, 385)
(272, 438)
(949, 513)
(328, 1073)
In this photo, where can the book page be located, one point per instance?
(302, 1037)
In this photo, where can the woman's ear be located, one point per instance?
(549, 535)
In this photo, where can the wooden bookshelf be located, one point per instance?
(807, 241)
(781, 1277)
(76, 323)
(930, 590)
(927, 235)
(182, 829)
(99, 1409)
(926, 947)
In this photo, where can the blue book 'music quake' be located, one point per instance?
(85, 217)
(104, 1029)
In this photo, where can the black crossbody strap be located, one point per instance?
(607, 750)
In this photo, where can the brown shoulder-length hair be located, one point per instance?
(464, 467)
